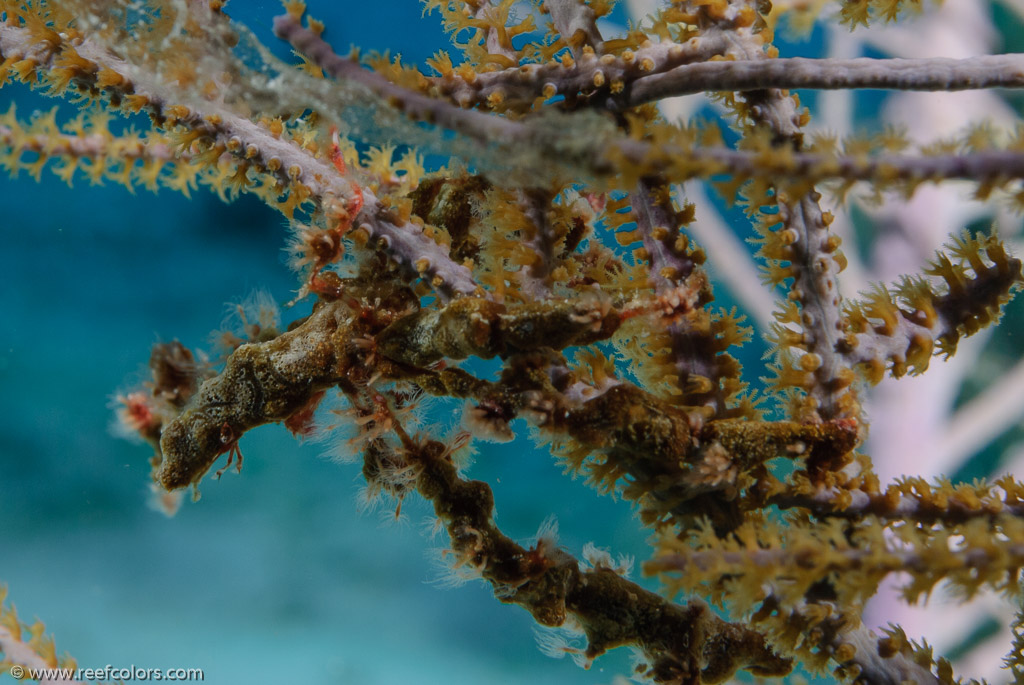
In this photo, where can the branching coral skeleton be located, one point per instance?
(506, 253)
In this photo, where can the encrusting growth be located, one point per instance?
(680, 643)
(557, 241)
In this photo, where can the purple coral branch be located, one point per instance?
(680, 162)
(536, 277)
(477, 125)
(250, 142)
(576, 22)
(815, 288)
(406, 242)
(892, 504)
(985, 71)
(816, 166)
(691, 356)
(527, 82)
(662, 70)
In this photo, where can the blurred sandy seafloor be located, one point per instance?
(273, 575)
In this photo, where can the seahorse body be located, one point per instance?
(261, 383)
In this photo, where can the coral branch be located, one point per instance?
(27, 647)
(680, 643)
(910, 499)
(854, 558)
(218, 130)
(519, 88)
(883, 335)
(576, 22)
(485, 129)
(986, 71)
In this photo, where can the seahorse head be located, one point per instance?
(190, 444)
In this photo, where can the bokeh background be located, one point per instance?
(274, 575)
